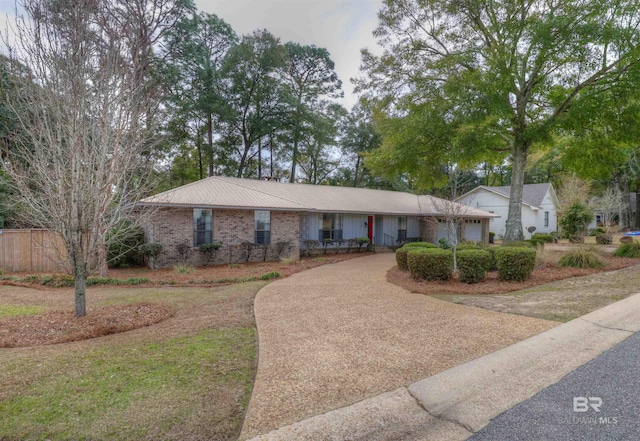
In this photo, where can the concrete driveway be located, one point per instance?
(337, 334)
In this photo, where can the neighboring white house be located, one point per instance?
(540, 206)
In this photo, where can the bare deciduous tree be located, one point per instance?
(609, 204)
(78, 168)
(454, 215)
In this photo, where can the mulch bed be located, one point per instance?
(62, 327)
(202, 274)
(491, 284)
(207, 275)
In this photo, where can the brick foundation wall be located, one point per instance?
(429, 229)
(173, 226)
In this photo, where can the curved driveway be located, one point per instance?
(340, 333)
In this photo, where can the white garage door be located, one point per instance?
(473, 230)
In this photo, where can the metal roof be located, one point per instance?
(532, 194)
(252, 194)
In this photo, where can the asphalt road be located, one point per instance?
(598, 401)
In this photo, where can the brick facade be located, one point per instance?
(429, 229)
(174, 226)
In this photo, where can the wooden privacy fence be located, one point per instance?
(31, 251)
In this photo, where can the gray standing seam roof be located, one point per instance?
(236, 193)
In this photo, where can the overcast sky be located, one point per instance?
(343, 27)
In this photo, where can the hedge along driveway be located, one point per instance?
(340, 333)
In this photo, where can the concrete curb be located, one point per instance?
(454, 404)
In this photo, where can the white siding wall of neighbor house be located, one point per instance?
(548, 206)
(493, 203)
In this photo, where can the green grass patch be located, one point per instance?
(150, 390)
(92, 281)
(267, 276)
(18, 310)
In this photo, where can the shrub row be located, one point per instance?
(431, 263)
(473, 264)
(401, 253)
(515, 263)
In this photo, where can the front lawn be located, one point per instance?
(188, 377)
(551, 293)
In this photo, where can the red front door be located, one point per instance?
(370, 228)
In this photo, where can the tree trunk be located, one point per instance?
(199, 148)
(513, 232)
(210, 147)
(103, 265)
(294, 159)
(637, 216)
(81, 294)
(271, 154)
(260, 158)
(79, 270)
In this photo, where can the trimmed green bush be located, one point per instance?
(535, 242)
(430, 264)
(420, 245)
(401, 253)
(473, 264)
(547, 238)
(515, 263)
(631, 249)
(467, 246)
(492, 264)
(596, 231)
(581, 259)
(519, 244)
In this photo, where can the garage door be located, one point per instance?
(473, 230)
